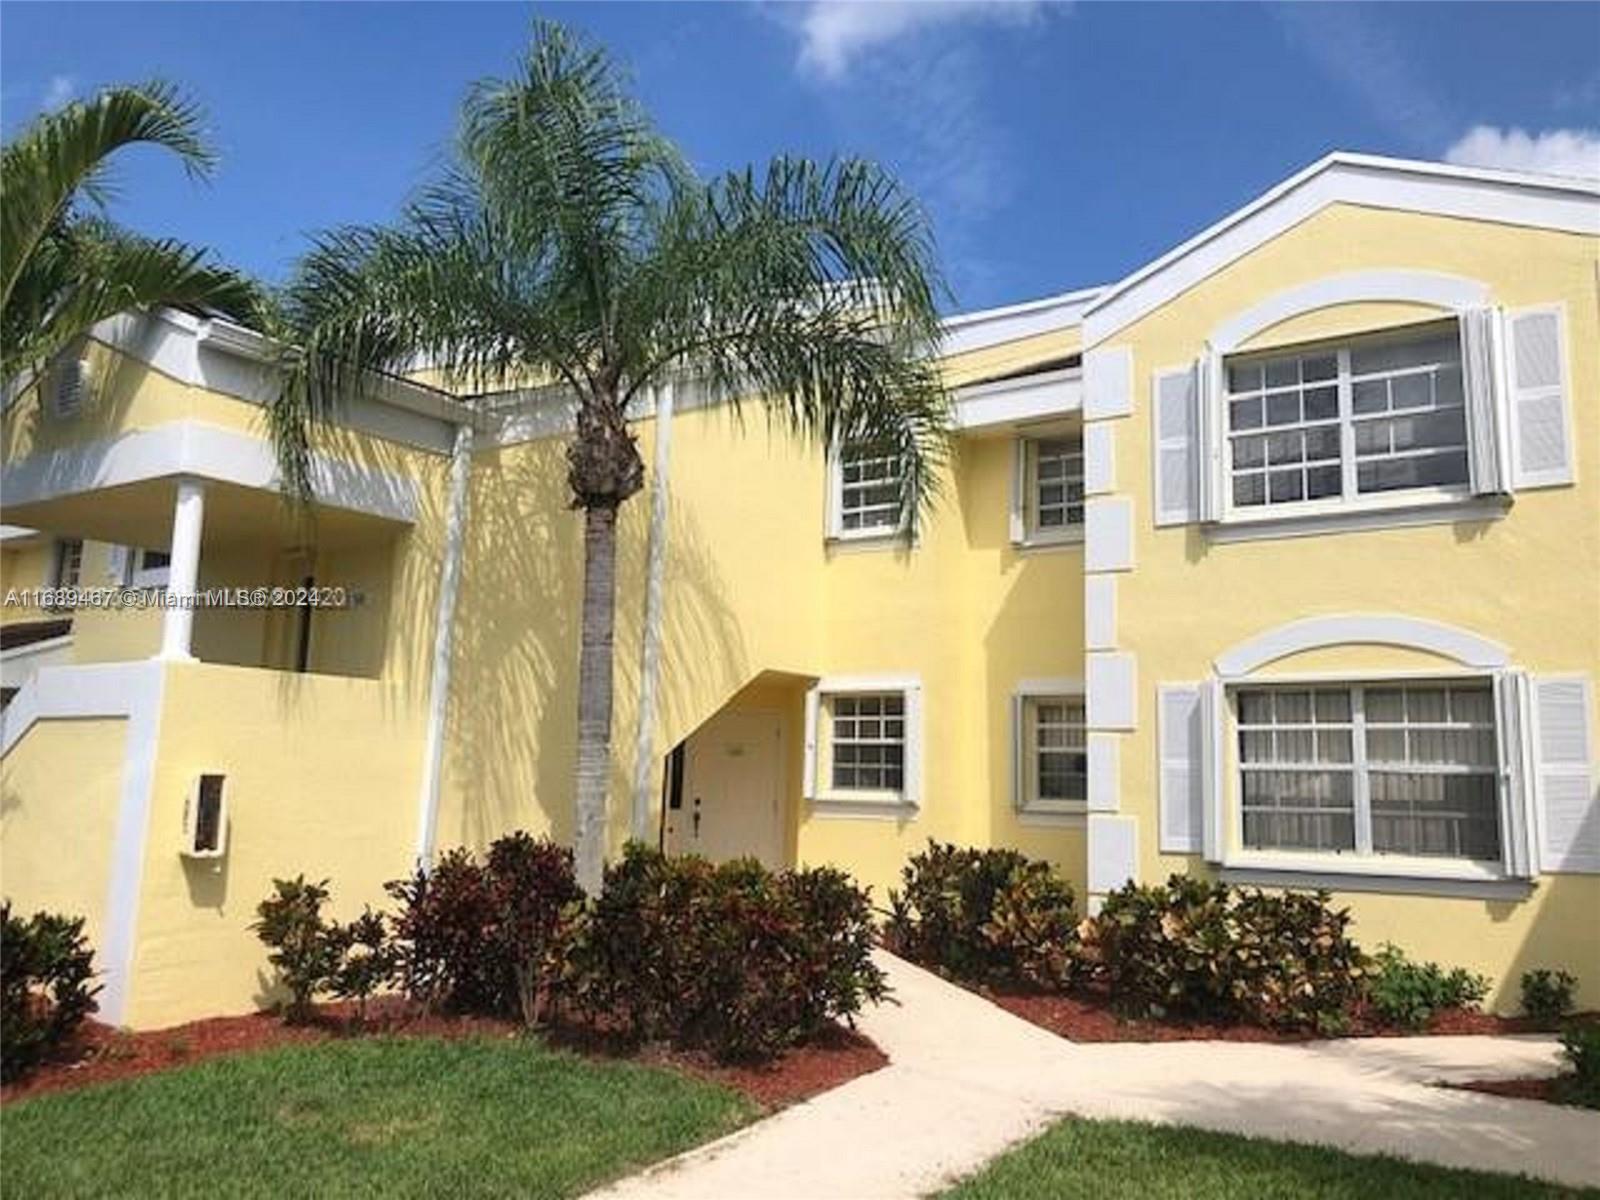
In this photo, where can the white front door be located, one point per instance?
(732, 790)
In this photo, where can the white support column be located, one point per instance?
(183, 576)
(443, 641)
(644, 759)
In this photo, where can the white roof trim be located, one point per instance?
(995, 326)
(1004, 403)
(1537, 201)
(204, 452)
(231, 360)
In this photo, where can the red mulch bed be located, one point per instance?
(1090, 1018)
(100, 1053)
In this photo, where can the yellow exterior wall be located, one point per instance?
(752, 587)
(1530, 581)
(60, 789)
(322, 777)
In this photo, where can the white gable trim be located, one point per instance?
(1449, 292)
(1316, 633)
(1537, 201)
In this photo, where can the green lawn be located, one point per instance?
(370, 1117)
(1104, 1160)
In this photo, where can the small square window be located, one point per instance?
(1051, 488)
(1052, 753)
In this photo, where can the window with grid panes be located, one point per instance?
(1056, 483)
(1406, 769)
(1338, 422)
(868, 742)
(1057, 750)
(871, 482)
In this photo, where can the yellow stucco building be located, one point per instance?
(1278, 559)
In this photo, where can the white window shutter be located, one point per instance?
(1177, 449)
(1019, 490)
(1541, 438)
(1519, 844)
(1480, 376)
(911, 781)
(1211, 428)
(119, 565)
(1181, 784)
(813, 714)
(1569, 806)
(1213, 826)
(1019, 739)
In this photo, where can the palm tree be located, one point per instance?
(570, 241)
(63, 266)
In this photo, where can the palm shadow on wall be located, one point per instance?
(513, 723)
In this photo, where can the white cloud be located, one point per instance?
(1553, 152)
(58, 91)
(835, 32)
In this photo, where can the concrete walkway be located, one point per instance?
(967, 1079)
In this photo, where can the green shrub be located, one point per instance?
(1194, 948)
(1407, 994)
(488, 936)
(1581, 1085)
(305, 947)
(987, 916)
(366, 960)
(45, 991)
(734, 958)
(1547, 996)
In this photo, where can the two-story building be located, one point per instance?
(1278, 559)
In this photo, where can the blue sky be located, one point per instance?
(1055, 145)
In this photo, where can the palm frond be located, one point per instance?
(813, 286)
(63, 154)
(90, 270)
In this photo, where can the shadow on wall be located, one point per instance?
(513, 720)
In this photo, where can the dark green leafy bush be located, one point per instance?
(737, 959)
(987, 916)
(1581, 1085)
(1547, 996)
(1200, 949)
(45, 991)
(366, 960)
(1407, 994)
(304, 945)
(489, 936)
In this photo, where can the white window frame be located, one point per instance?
(818, 775)
(1349, 499)
(142, 576)
(836, 532)
(1234, 856)
(1024, 700)
(1026, 532)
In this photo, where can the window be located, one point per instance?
(1405, 769)
(868, 742)
(864, 745)
(68, 570)
(869, 491)
(151, 568)
(1336, 423)
(1053, 764)
(1050, 490)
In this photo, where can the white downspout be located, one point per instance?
(443, 636)
(644, 774)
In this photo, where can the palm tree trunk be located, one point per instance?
(594, 691)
